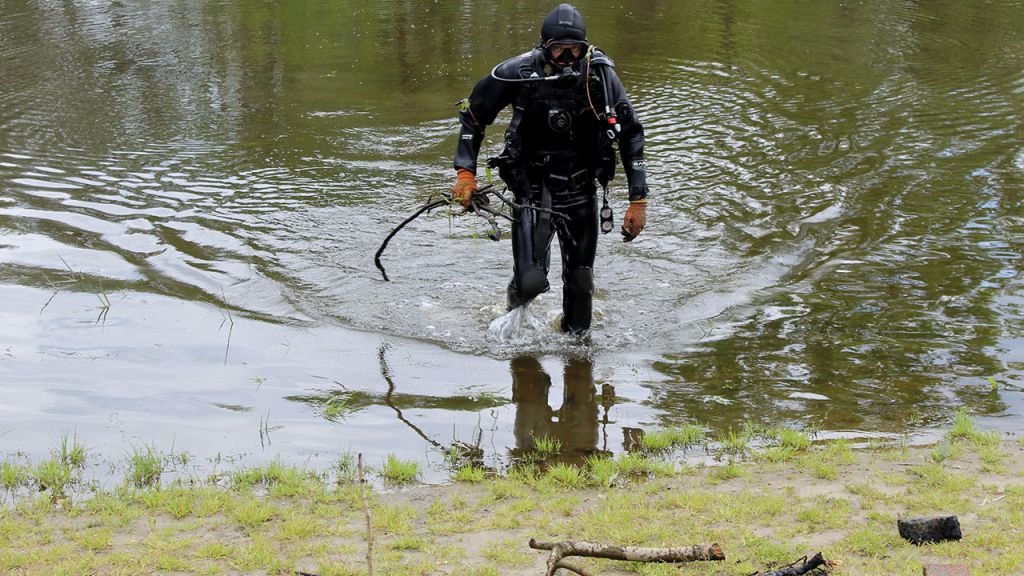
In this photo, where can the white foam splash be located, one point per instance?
(517, 326)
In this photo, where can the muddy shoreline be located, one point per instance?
(771, 505)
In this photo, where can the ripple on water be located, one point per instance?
(80, 222)
(46, 194)
(49, 184)
(39, 252)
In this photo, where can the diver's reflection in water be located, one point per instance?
(574, 424)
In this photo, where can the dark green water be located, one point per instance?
(191, 194)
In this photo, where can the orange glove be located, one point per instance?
(464, 187)
(635, 220)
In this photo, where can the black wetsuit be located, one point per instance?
(555, 148)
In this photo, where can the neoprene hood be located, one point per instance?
(563, 24)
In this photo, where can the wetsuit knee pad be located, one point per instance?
(531, 284)
(581, 281)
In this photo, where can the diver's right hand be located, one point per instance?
(464, 187)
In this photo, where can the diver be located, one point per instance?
(570, 113)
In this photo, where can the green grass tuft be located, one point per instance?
(669, 438)
(345, 469)
(794, 439)
(546, 447)
(963, 426)
(720, 474)
(503, 489)
(94, 540)
(70, 452)
(397, 471)
(656, 441)
(251, 513)
(13, 475)
(602, 471)
(825, 471)
(144, 467)
(776, 454)
(54, 475)
(524, 473)
(839, 451)
(567, 475)
(734, 443)
(993, 459)
(964, 430)
(507, 552)
(279, 479)
(397, 520)
(629, 464)
(937, 478)
(470, 473)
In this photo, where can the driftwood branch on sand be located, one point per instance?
(561, 550)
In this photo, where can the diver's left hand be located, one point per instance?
(634, 221)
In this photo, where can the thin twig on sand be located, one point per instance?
(369, 524)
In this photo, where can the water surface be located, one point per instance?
(190, 198)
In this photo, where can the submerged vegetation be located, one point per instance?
(791, 498)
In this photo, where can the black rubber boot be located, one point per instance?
(522, 290)
(577, 300)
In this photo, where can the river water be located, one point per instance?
(191, 195)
